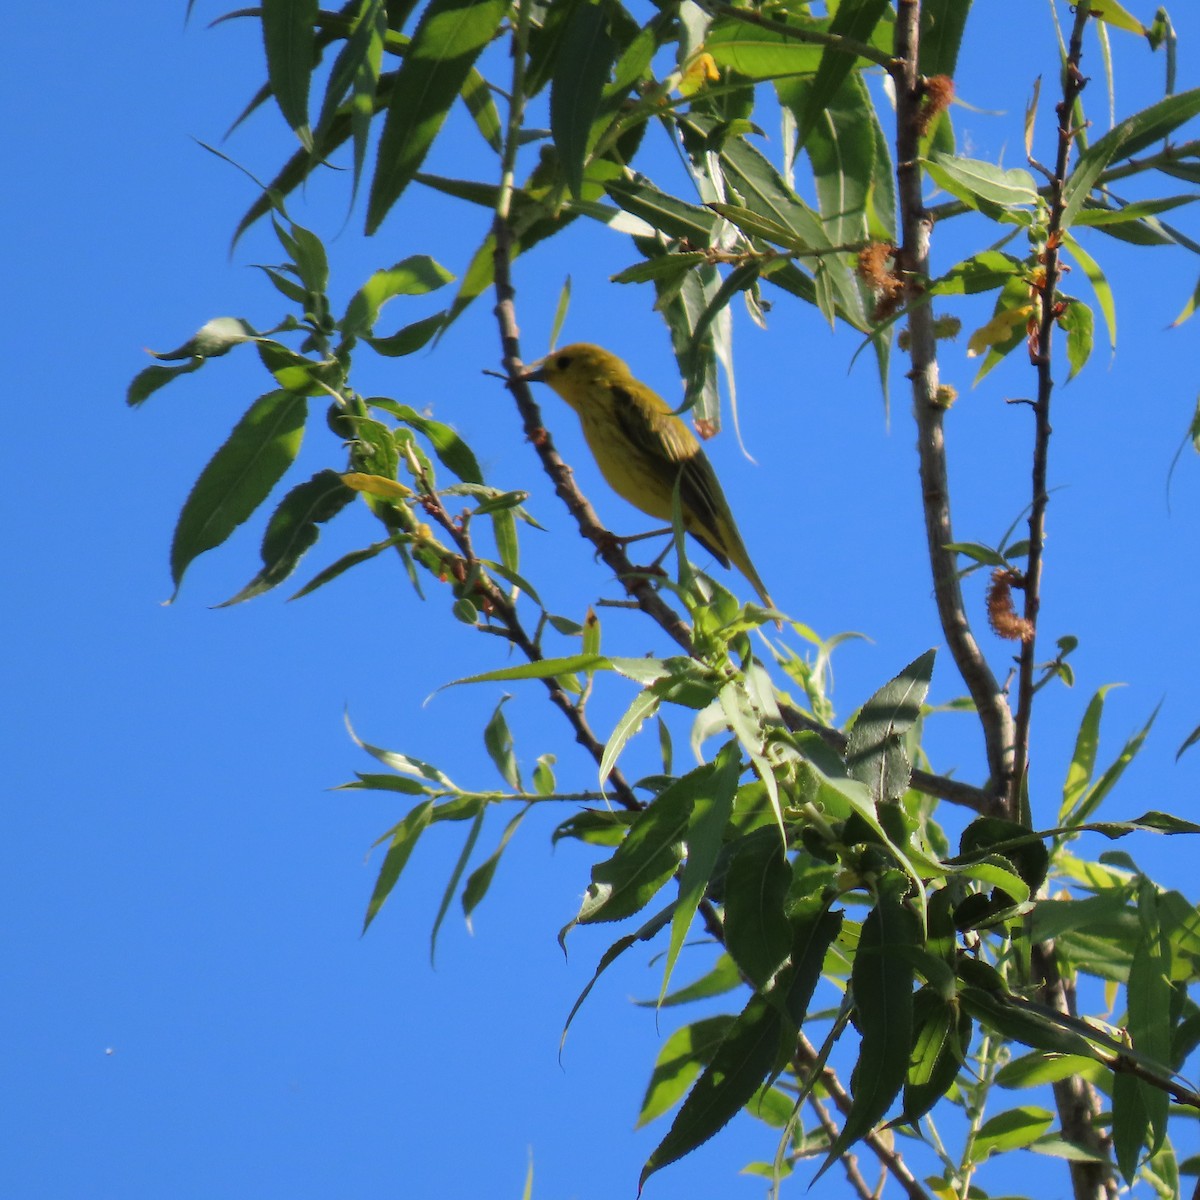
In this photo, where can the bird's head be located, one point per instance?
(574, 370)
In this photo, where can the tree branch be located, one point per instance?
(994, 713)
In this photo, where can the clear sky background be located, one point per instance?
(188, 1009)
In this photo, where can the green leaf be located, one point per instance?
(414, 276)
(498, 742)
(1079, 324)
(710, 814)
(745, 1057)
(724, 977)
(1091, 798)
(451, 450)
(240, 476)
(978, 183)
(942, 24)
(1100, 285)
(292, 530)
(481, 878)
(882, 985)
(410, 339)
(287, 27)
(875, 750)
(1140, 1110)
(679, 1062)
(1038, 1068)
(1110, 12)
(757, 931)
(403, 841)
(854, 19)
(982, 272)
(584, 61)
(650, 853)
(1012, 1130)
(480, 812)
(449, 37)
(759, 53)
(1131, 135)
(147, 381)
(942, 1036)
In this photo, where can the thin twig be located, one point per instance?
(1073, 84)
(994, 713)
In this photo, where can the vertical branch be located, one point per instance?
(1073, 84)
(994, 713)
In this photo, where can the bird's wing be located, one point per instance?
(699, 490)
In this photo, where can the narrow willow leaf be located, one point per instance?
(645, 704)
(403, 842)
(649, 930)
(477, 96)
(882, 985)
(1091, 798)
(710, 815)
(449, 37)
(679, 1062)
(757, 931)
(875, 749)
(1100, 285)
(941, 1039)
(724, 977)
(942, 24)
(856, 20)
(452, 883)
(481, 878)
(498, 741)
(293, 530)
(239, 477)
(674, 217)
(584, 61)
(288, 39)
(1140, 1110)
(1131, 135)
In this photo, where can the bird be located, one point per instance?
(642, 448)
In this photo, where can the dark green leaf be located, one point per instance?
(288, 38)
(415, 276)
(745, 1057)
(680, 1060)
(239, 477)
(408, 340)
(452, 883)
(882, 985)
(757, 932)
(292, 530)
(942, 24)
(584, 61)
(650, 853)
(1012, 1130)
(449, 37)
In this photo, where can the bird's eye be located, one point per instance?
(563, 362)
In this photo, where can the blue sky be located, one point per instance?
(189, 1008)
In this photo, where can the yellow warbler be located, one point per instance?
(642, 448)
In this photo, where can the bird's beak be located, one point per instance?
(535, 374)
